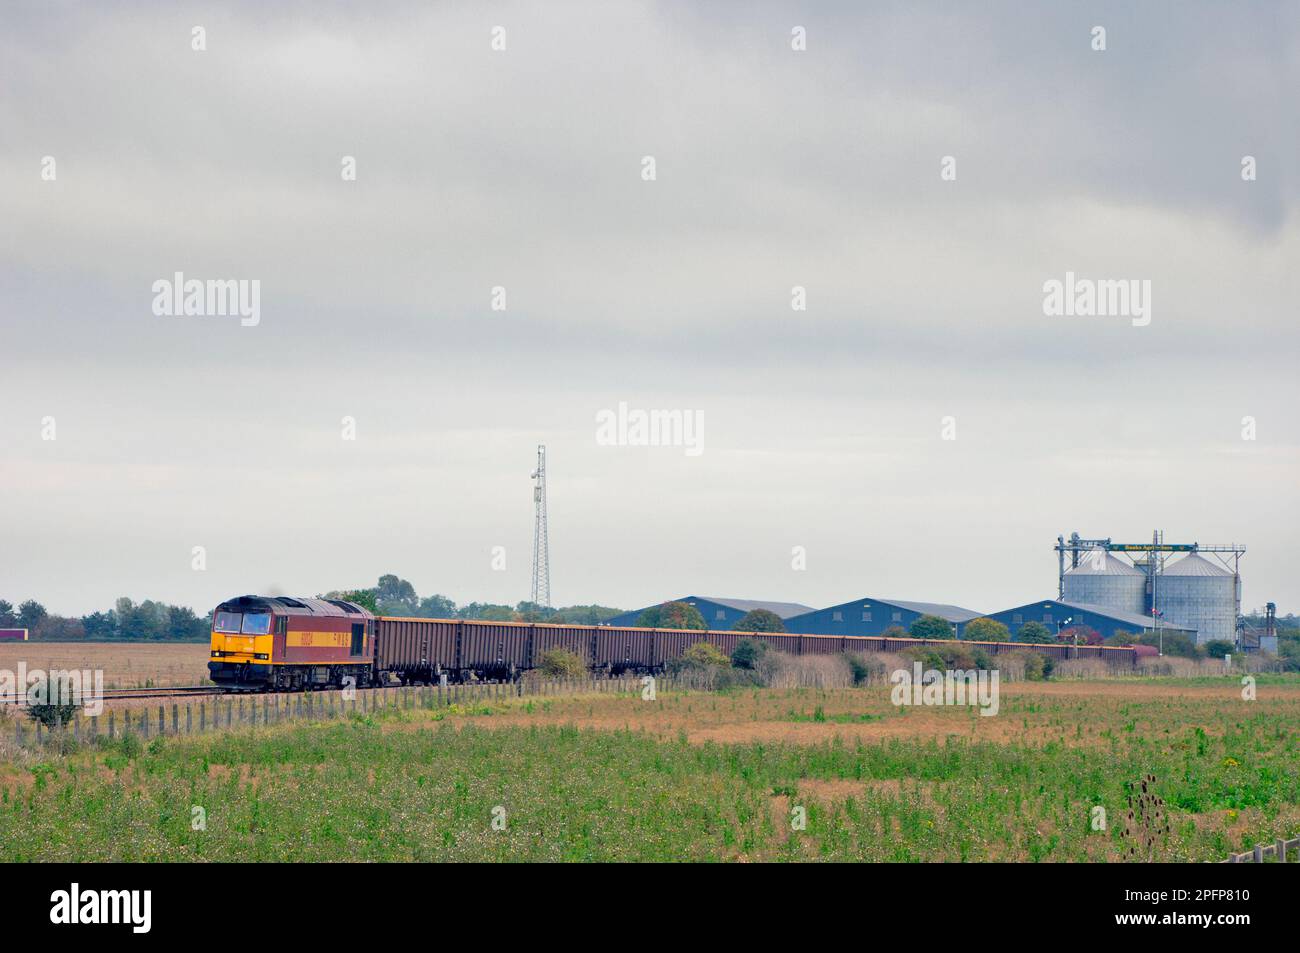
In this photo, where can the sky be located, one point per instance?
(920, 429)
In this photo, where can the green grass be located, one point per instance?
(422, 786)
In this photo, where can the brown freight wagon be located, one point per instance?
(619, 650)
(416, 649)
(578, 639)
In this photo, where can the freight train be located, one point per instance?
(277, 643)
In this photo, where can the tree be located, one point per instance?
(748, 653)
(561, 663)
(1034, 632)
(101, 626)
(896, 632)
(366, 598)
(585, 615)
(672, 615)
(437, 607)
(986, 630)
(532, 612)
(396, 596)
(931, 627)
(760, 620)
(1121, 637)
(1218, 648)
(485, 610)
(8, 618)
(30, 614)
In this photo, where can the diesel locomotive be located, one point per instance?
(275, 643)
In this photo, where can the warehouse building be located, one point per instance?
(1058, 616)
(719, 613)
(870, 616)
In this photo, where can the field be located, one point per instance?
(125, 665)
(691, 776)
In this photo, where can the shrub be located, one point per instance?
(561, 663)
(699, 657)
(748, 653)
(896, 632)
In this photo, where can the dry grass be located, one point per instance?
(125, 665)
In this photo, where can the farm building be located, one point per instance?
(13, 635)
(869, 616)
(719, 613)
(1058, 615)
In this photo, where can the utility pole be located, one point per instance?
(541, 594)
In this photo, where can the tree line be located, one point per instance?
(147, 621)
(394, 596)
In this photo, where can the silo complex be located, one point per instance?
(1197, 594)
(1108, 582)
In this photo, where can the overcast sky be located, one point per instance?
(523, 168)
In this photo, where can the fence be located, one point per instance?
(227, 711)
(1280, 850)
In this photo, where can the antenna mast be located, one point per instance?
(541, 595)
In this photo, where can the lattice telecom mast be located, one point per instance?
(541, 551)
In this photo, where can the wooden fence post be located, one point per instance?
(1281, 850)
(176, 718)
(1259, 853)
(110, 724)
(189, 718)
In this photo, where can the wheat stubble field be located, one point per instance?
(692, 776)
(125, 664)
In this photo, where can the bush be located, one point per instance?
(1038, 667)
(701, 656)
(896, 632)
(748, 653)
(561, 663)
(55, 702)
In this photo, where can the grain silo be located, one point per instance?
(1102, 580)
(1197, 594)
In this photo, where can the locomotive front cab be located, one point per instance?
(242, 642)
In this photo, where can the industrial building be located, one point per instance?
(719, 613)
(1107, 586)
(1188, 592)
(1059, 615)
(869, 616)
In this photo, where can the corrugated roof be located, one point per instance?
(942, 610)
(1119, 615)
(784, 609)
(1112, 567)
(1195, 565)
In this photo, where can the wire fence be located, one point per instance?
(223, 712)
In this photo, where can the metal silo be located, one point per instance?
(1197, 594)
(1102, 580)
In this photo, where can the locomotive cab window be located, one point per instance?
(227, 622)
(256, 623)
(358, 637)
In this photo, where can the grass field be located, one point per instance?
(690, 776)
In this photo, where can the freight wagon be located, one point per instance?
(13, 635)
(278, 643)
